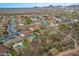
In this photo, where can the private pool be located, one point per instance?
(18, 46)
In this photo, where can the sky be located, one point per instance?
(29, 5)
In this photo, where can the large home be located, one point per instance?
(24, 33)
(35, 19)
(75, 20)
(3, 50)
(18, 19)
(43, 23)
(57, 21)
(18, 38)
(17, 45)
(32, 37)
(66, 21)
(34, 27)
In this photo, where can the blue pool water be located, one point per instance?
(18, 46)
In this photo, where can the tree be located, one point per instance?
(25, 50)
(12, 52)
(27, 21)
(25, 42)
(53, 51)
(63, 27)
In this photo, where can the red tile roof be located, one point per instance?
(36, 27)
(3, 49)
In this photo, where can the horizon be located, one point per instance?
(30, 5)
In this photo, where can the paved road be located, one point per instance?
(10, 28)
(11, 32)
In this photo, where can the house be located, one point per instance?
(30, 40)
(3, 50)
(57, 21)
(43, 23)
(75, 20)
(35, 19)
(21, 24)
(31, 37)
(24, 33)
(18, 19)
(17, 45)
(34, 27)
(18, 38)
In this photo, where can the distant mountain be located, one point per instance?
(51, 6)
(35, 7)
(70, 6)
(73, 6)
